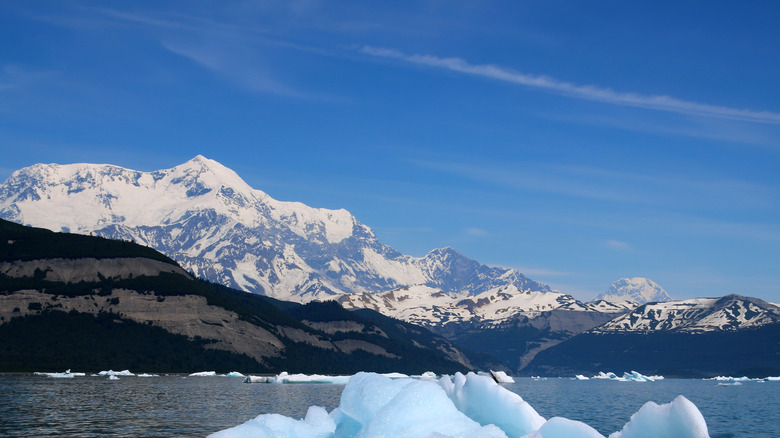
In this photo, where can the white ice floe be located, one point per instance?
(581, 377)
(148, 375)
(66, 375)
(113, 377)
(501, 377)
(374, 406)
(125, 373)
(204, 374)
(285, 377)
(772, 379)
(633, 376)
(234, 374)
(730, 379)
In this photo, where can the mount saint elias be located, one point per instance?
(209, 220)
(205, 217)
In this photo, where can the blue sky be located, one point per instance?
(579, 142)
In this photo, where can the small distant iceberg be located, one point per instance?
(148, 375)
(113, 377)
(501, 377)
(580, 377)
(234, 374)
(125, 373)
(66, 375)
(286, 378)
(772, 379)
(204, 374)
(633, 376)
(472, 405)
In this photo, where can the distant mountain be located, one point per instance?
(73, 301)
(732, 312)
(637, 290)
(703, 337)
(209, 220)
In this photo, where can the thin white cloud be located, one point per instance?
(586, 92)
(476, 232)
(247, 76)
(618, 245)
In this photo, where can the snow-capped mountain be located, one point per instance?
(428, 306)
(637, 290)
(731, 312)
(208, 219)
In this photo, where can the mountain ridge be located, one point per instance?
(207, 218)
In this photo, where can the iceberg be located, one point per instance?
(633, 376)
(204, 374)
(66, 375)
(125, 373)
(234, 374)
(113, 377)
(501, 377)
(580, 377)
(285, 377)
(148, 375)
(374, 406)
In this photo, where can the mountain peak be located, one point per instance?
(637, 289)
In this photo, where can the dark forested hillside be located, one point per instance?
(69, 301)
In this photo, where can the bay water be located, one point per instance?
(168, 406)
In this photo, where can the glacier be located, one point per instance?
(374, 405)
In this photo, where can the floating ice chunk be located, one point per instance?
(285, 377)
(204, 374)
(366, 393)
(424, 410)
(234, 374)
(317, 424)
(501, 377)
(148, 375)
(115, 373)
(429, 375)
(772, 379)
(581, 377)
(606, 376)
(558, 427)
(634, 376)
(678, 419)
(374, 406)
(487, 402)
(257, 379)
(66, 375)
(730, 379)
(113, 377)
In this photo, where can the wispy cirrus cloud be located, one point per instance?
(586, 92)
(244, 73)
(618, 245)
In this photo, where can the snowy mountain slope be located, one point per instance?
(637, 290)
(207, 218)
(428, 306)
(731, 312)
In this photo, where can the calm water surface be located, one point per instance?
(196, 406)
